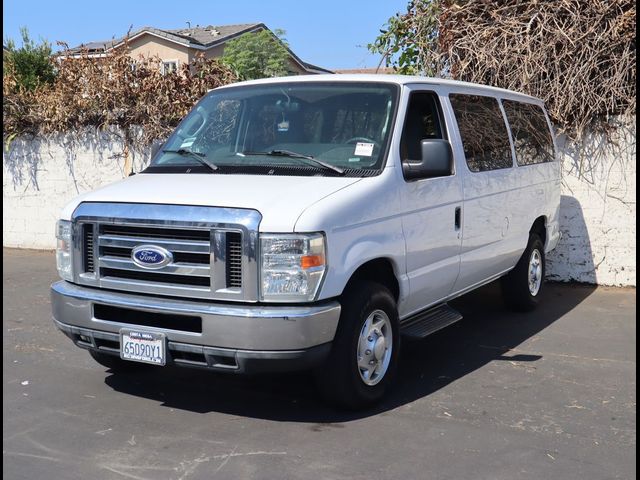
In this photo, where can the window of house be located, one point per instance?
(483, 132)
(530, 131)
(169, 67)
(423, 121)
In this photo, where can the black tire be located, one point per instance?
(515, 285)
(115, 363)
(339, 379)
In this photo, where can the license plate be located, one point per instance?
(146, 347)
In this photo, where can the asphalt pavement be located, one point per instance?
(545, 395)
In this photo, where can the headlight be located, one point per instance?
(292, 266)
(63, 249)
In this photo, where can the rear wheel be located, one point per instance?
(364, 354)
(115, 363)
(523, 285)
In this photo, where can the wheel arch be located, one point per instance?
(380, 270)
(540, 227)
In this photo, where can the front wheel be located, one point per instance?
(364, 355)
(523, 285)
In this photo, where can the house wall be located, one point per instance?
(295, 67)
(213, 52)
(150, 46)
(598, 206)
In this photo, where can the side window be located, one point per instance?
(421, 122)
(483, 132)
(530, 131)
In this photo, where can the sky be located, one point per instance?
(330, 33)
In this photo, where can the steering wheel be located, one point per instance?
(362, 139)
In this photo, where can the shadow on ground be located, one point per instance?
(487, 333)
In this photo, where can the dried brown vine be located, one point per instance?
(118, 91)
(579, 56)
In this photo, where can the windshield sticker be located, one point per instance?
(354, 159)
(364, 149)
(187, 142)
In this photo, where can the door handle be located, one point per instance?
(458, 216)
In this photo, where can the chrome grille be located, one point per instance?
(154, 232)
(191, 250)
(89, 252)
(213, 249)
(234, 260)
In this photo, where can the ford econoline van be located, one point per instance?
(311, 223)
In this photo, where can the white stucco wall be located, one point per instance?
(39, 176)
(598, 209)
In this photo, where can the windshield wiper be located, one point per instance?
(290, 154)
(200, 157)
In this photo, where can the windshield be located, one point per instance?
(286, 128)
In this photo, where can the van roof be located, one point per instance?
(379, 78)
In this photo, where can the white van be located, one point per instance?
(309, 223)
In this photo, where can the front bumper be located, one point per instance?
(233, 337)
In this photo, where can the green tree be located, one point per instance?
(258, 55)
(31, 63)
(408, 42)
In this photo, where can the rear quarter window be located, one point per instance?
(530, 131)
(483, 132)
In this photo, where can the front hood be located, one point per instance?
(280, 199)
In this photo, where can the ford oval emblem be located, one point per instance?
(151, 256)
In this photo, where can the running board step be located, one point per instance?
(426, 323)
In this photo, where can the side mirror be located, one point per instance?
(437, 161)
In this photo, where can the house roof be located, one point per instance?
(315, 68)
(196, 37)
(199, 38)
(91, 47)
(212, 35)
